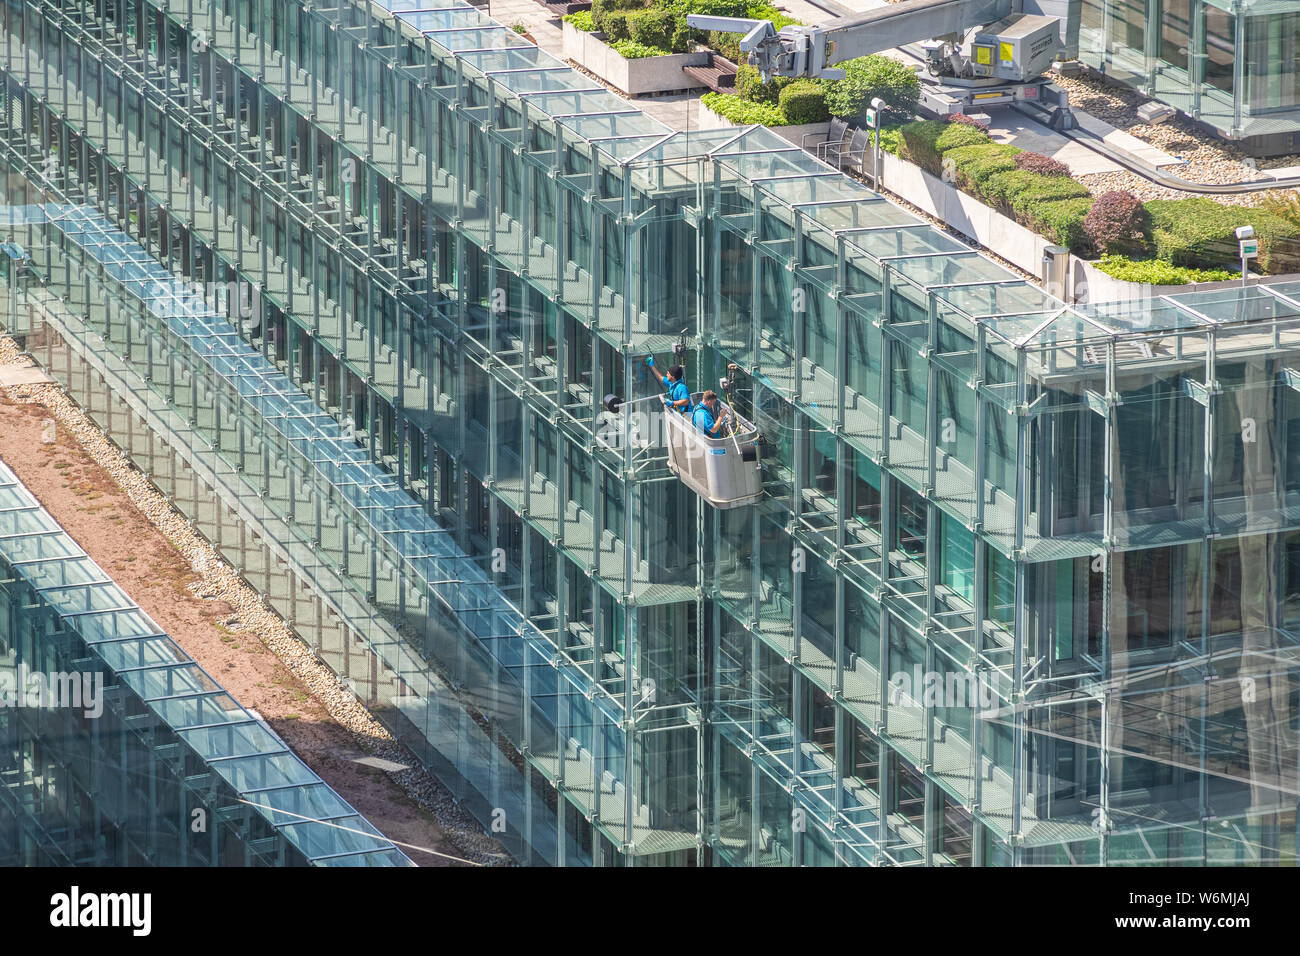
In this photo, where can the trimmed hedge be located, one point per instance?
(925, 142)
(1195, 234)
(973, 165)
(1201, 233)
(1060, 220)
(650, 27)
(742, 111)
(964, 155)
(614, 25)
(661, 28)
(1015, 189)
(804, 101)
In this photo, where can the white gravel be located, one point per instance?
(1209, 160)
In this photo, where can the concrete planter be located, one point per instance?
(1010, 240)
(1103, 288)
(816, 132)
(651, 74)
(1018, 244)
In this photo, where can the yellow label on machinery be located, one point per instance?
(984, 55)
(1006, 53)
(988, 96)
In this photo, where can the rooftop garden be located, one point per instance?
(785, 101)
(644, 28)
(660, 25)
(1159, 241)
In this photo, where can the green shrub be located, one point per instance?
(610, 17)
(683, 37)
(1199, 233)
(742, 111)
(615, 27)
(868, 77)
(1060, 220)
(1044, 165)
(582, 21)
(727, 44)
(652, 27)
(925, 142)
(750, 85)
(631, 50)
(1159, 272)
(1016, 190)
(804, 101)
(764, 11)
(919, 143)
(713, 8)
(891, 140)
(1117, 224)
(956, 135)
(971, 166)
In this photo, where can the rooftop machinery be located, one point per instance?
(979, 53)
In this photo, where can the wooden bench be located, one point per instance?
(719, 74)
(561, 9)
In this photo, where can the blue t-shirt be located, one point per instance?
(704, 420)
(678, 391)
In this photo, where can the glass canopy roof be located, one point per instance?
(238, 747)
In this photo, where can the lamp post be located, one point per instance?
(875, 118)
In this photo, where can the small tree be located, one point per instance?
(873, 76)
(1116, 222)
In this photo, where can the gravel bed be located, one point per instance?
(1208, 159)
(219, 582)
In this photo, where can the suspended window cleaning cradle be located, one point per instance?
(725, 471)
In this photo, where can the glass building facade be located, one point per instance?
(350, 284)
(1230, 64)
(149, 762)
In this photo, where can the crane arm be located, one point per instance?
(813, 50)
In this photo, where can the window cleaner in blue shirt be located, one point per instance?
(679, 393)
(708, 415)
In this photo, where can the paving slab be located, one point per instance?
(1130, 144)
(1011, 126)
(10, 376)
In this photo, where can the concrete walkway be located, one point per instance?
(1014, 127)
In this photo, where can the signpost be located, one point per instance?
(1248, 246)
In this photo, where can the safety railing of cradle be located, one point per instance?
(725, 471)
